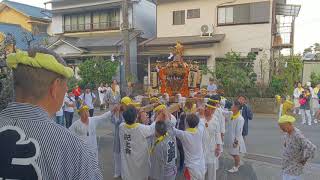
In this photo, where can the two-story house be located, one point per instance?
(28, 25)
(91, 28)
(209, 29)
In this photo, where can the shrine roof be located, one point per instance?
(185, 40)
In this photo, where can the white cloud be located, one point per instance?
(307, 24)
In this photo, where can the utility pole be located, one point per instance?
(125, 34)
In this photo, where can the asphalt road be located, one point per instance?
(264, 139)
(265, 136)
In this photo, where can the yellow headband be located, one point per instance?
(286, 119)
(83, 108)
(45, 61)
(214, 101)
(159, 108)
(278, 98)
(210, 106)
(154, 99)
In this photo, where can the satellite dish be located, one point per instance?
(204, 28)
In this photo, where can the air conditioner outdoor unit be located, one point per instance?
(206, 31)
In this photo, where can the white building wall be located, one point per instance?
(57, 24)
(133, 55)
(49, 29)
(144, 18)
(239, 38)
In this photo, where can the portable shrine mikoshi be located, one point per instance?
(177, 76)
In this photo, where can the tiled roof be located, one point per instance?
(19, 34)
(31, 11)
(109, 40)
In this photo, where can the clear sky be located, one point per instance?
(307, 24)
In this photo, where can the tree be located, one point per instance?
(315, 78)
(316, 48)
(7, 46)
(97, 70)
(290, 71)
(308, 50)
(312, 49)
(235, 73)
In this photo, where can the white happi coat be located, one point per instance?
(236, 134)
(88, 132)
(315, 99)
(296, 95)
(211, 138)
(218, 113)
(102, 95)
(193, 148)
(135, 151)
(228, 134)
(163, 158)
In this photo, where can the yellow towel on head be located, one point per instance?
(43, 61)
(278, 99)
(159, 108)
(287, 105)
(286, 119)
(83, 108)
(128, 101)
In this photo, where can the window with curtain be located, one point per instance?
(81, 22)
(104, 20)
(74, 22)
(67, 23)
(96, 20)
(115, 18)
(101, 20)
(250, 13)
(87, 21)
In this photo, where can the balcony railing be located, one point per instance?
(102, 26)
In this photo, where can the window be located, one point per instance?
(102, 20)
(225, 15)
(106, 19)
(193, 13)
(77, 22)
(67, 23)
(244, 14)
(39, 28)
(179, 17)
